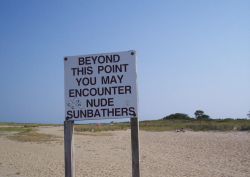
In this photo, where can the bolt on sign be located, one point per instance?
(100, 86)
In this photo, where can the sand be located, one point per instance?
(163, 154)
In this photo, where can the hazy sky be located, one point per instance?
(192, 54)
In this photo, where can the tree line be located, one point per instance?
(198, 115)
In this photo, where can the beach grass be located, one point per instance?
(197, 125)
(17, 129)
(32, 136)
(27, 131)
(24, 132)
(101, 127)
(172, 125)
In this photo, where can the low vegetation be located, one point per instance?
(101, 127)
(17, 129)
(201, 122)
(197, 125)
(24, 132)
(172, 125)
(32, 136)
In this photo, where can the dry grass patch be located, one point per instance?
(15, 129)
(25, 133)
(32, 136)
(94, 133)
(101, 127)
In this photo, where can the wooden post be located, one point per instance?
(69, 148)
(135, 147)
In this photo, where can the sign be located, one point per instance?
(100, 86)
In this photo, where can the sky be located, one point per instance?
(190, 54)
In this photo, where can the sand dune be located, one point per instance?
(108, 154)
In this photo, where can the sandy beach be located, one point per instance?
(108, 154)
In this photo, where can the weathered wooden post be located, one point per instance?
(135, 147)
(69, 148)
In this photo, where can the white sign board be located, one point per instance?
(100, 86)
